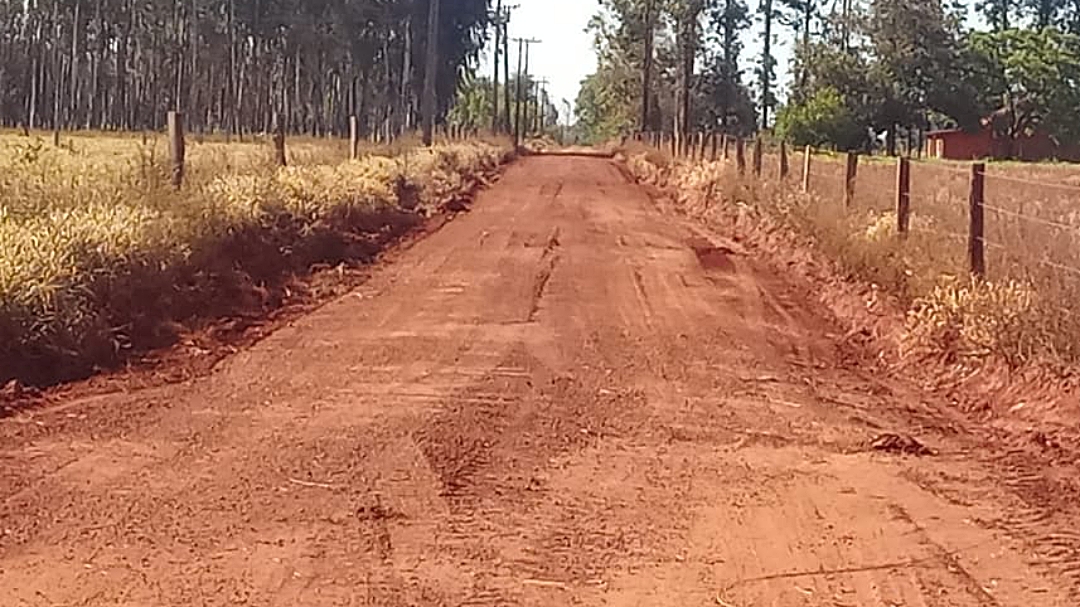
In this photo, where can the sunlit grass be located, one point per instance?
(92, 229)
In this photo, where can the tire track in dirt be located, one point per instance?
(562, 397)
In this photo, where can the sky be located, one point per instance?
(565, 55)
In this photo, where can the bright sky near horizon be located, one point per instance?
(565, 55)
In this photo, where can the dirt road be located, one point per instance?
(564, 397)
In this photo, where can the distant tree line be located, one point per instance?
(230, 65)
(865, 73)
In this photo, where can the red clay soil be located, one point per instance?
(564, 397)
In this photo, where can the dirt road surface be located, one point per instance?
(564, 397)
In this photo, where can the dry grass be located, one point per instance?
(99, 255)
(1023, 313)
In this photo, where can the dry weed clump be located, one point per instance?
(99, 255)
(963, 319)
(1019, 315)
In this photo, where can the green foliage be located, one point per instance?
(1028, 79)
(916, 56)
(472, 106)
(698, 38)
(602, 111)
(822, 119)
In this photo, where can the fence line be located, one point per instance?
(1058, 266)
(1033, 219)
(177, 139)
(942, 233)
(976, 174)
(1007, 251)
(1047, 184)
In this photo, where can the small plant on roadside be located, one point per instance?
(970, 318)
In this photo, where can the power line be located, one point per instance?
(523, 53)
(501, 21)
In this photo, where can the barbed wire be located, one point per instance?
(963, 172)
(941, 233)
(1033, 219)
(1021, 180)
(1024, 263)
(1057, 266)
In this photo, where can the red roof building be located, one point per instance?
(957, 144)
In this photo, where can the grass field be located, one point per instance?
(99, 255)
(1027, 308)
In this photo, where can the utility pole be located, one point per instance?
(646, 77)
(430, 68)
(517, 94)
(495, 78)
(522, 105)
(541, 94)
(502, 48)
(506, 68)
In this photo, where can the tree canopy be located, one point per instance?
(865, 73)
(229, 64)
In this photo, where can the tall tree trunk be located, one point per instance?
(73, 94)
(430, 69)
(506, 68)
(193, 66)
(808, 13)
(647, 67)
(406, 96)
(766, 63)
(687, 51)
(495, 74)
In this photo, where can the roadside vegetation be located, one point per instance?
(100, 256)
(874, 77)
(1023, 314)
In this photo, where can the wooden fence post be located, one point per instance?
(176, 147)
(849, 179)
(712, 144)
(903, 196)
(354, 138)
(702, 146)
(740, 155)
(785, 168)
(976, 241)
(808, 154)
(727, 147)
(758, 154)
(674, 145)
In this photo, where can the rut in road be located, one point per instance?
(563, 397)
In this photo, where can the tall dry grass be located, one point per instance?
(99, 254)
(1026, 310)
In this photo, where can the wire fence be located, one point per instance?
(1029, 223)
